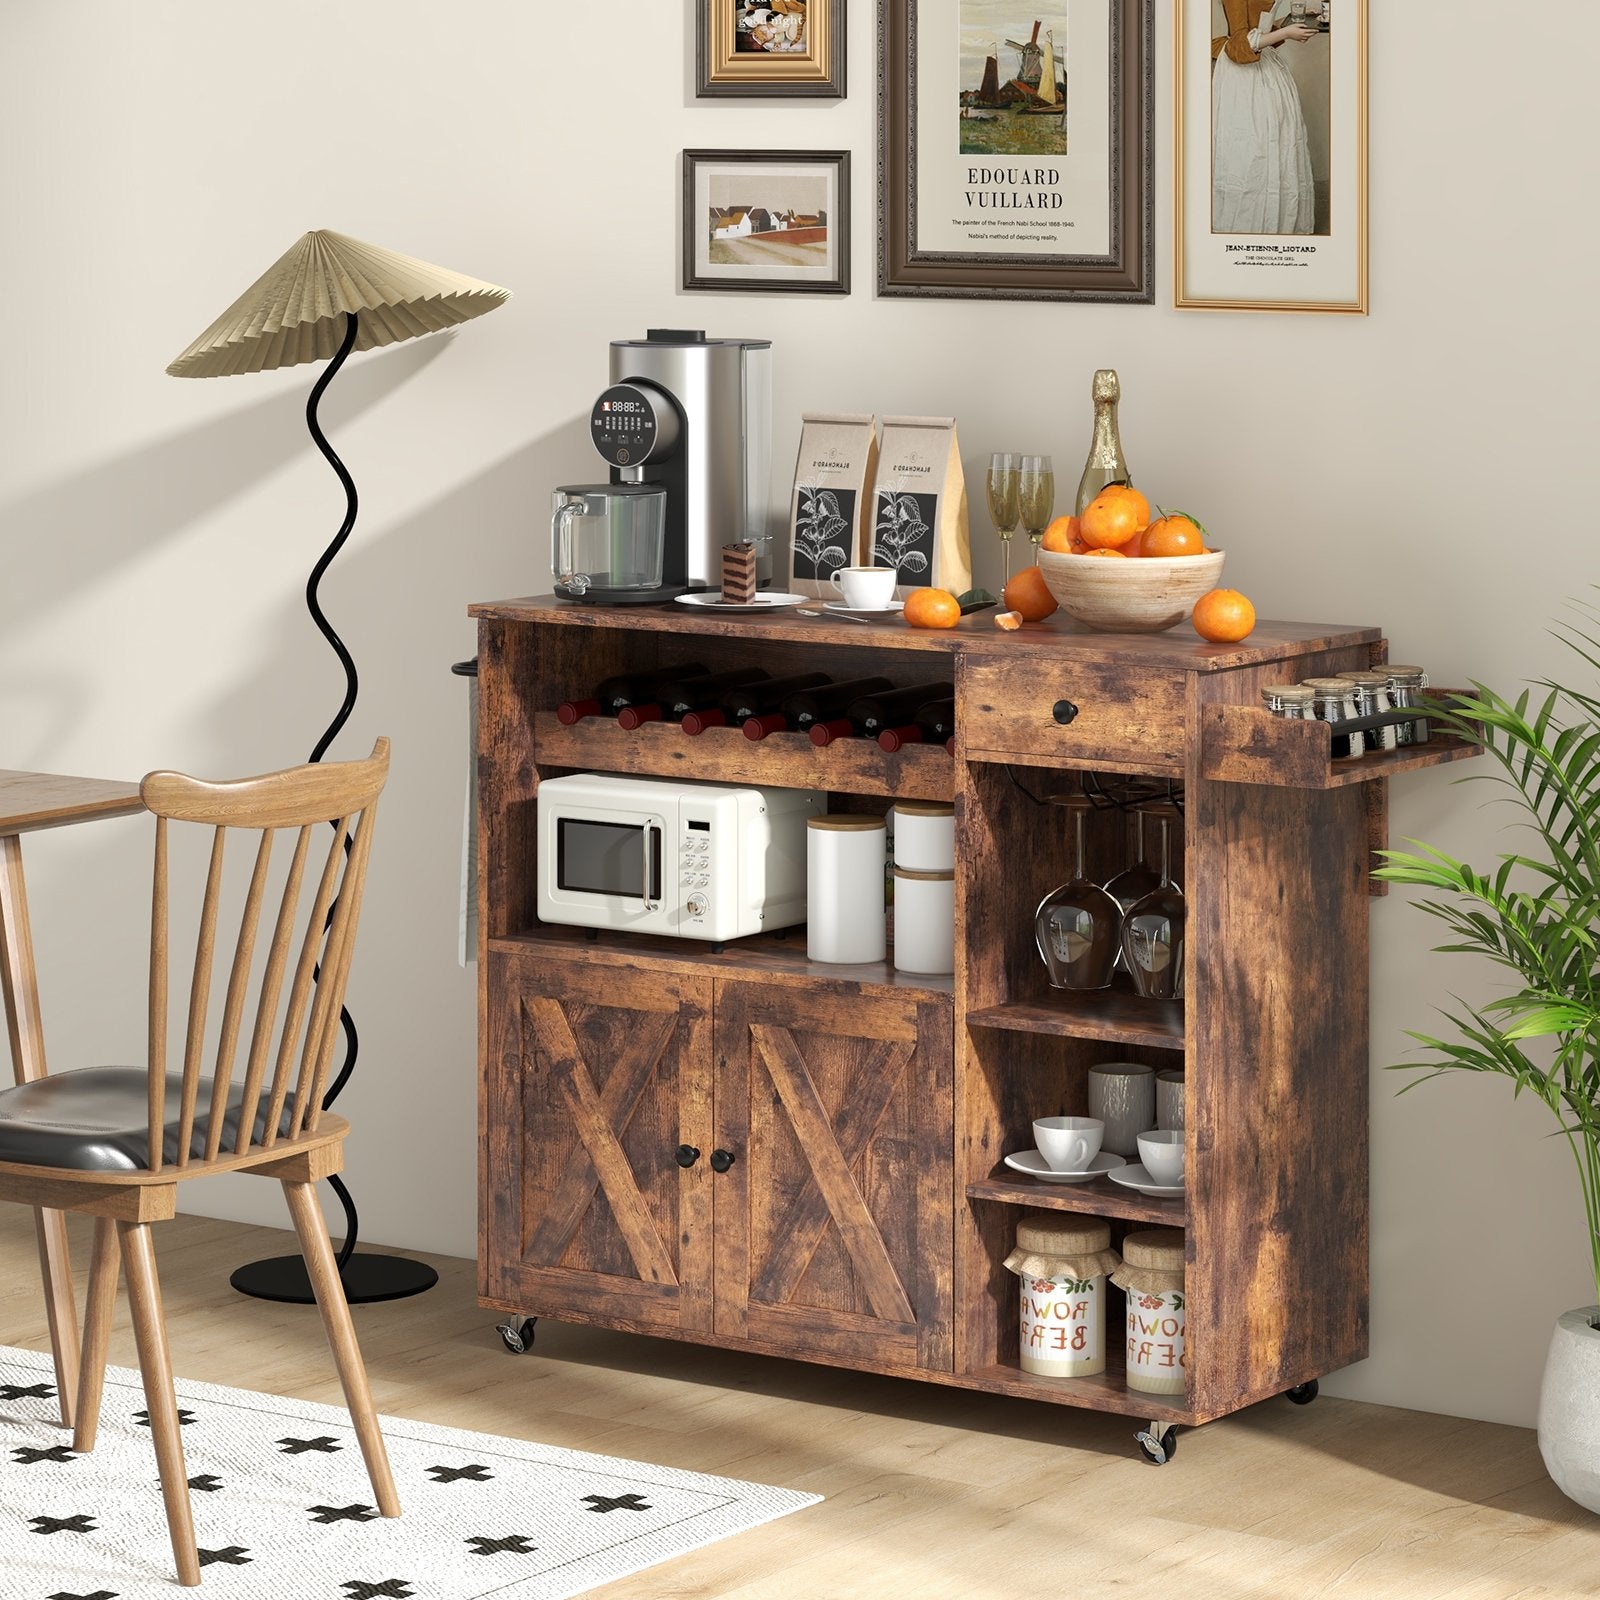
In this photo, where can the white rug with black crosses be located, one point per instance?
(282, 1504)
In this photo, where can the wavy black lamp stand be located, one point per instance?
(326, 295)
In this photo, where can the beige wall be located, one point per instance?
(1424, 468)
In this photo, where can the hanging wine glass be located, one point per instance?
(1076, 926)
(1036, 486)
(1002, 488)
(1153, 930)
(1133, 883)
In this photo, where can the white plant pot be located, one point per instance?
(1569, 1407)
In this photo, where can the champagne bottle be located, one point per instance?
(934, 723)
(1106, 463)
(872, 713)
(800, 711)
(613, 695)
(746, 700)
(672, 700)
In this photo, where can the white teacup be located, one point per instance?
(1068, 1144)
(1161, 1151)
(870, 588)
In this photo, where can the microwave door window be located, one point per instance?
(610, 858)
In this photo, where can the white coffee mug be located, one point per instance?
(1161, 1151)
(870, 588)
(1068, 1144)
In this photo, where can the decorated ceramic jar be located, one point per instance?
(1062, 1261)
(1152, 1276)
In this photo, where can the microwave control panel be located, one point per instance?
(694, 871)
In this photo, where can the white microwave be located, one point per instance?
(650, 855)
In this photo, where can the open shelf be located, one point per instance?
(1105, 1391)
(779, 956)
(1116, 1015)
(1097, 1198)
(781, 760)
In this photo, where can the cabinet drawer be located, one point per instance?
(1008, 709)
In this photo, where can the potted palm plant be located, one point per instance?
(1537, 915)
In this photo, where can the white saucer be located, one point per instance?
(765, 600)
(1134, 1176)
(1032, 1163)
(864, 611)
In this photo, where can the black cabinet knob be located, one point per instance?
(686, 1155)
(721, 1160)
(1063, 711)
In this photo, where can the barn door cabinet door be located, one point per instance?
(599, 1089)
(834, 1220)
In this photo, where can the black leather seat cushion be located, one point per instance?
(98, 1120)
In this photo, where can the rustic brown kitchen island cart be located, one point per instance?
(853, 1206)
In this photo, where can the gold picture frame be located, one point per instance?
(1229, 254)
(775, 49)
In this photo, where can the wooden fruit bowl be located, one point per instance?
(1143, 594)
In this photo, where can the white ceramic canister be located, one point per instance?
(1122, 1094)
(924, 835)
(1169, 1098)
(1151, 1275)
(845, 920)
(1062, 1261)
(924, 921)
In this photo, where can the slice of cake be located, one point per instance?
(738, 574)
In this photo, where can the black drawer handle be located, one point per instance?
(1063, 711)
(721, 1160)
(686, 1155)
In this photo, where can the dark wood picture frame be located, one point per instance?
(722, 70)
(696, 275)
(1125, 273)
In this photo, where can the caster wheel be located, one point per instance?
(518, 1339)
(1303, 1393)
(1158, 1447)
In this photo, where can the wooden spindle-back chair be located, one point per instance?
(115, 1142)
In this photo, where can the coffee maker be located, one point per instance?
(686, 429)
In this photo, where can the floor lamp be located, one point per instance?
(327, 296)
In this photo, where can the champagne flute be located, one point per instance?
(1001, 487)
(1036, 492)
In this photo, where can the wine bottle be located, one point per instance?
(612, 695)
(673, 700)
(747, 700)
(799, 711)
(1106, 463)
(934, 723)
(872, 713)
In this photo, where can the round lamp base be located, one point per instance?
(366, 1278)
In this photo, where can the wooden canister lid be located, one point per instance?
(1062, 1233)
(844, 822)
(1160, 1248)
(924, 808)
(931, 877)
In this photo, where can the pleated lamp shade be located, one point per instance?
(296, 310)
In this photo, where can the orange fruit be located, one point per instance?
(1135, 546)
(1009, 620)
(1061, 535)
(1174, 533)
(1224, 616)
(1114, 516)
(932, 608)
(1121, 555)
(1027, 592)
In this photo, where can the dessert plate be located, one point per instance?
(1034, 1164)
(1134, 1176)
(765, 600)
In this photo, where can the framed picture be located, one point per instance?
(1014, 157)
(771, 221)
(769, 47)
(1271, 185)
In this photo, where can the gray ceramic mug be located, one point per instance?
(1122, 1094)
(1169, 1098)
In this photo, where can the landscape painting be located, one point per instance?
(1013, 98)
(767, 219)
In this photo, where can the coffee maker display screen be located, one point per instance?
(625, 425)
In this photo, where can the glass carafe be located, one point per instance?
(1076, 925)
(1153, 930)
(608, 536)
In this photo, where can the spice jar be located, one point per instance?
(1062, 1261)
(1405, 689)
(1334, 700)
(1152, 1275)
(1372, 697)
(1289, 700)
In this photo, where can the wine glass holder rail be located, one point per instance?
(864, 1211)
